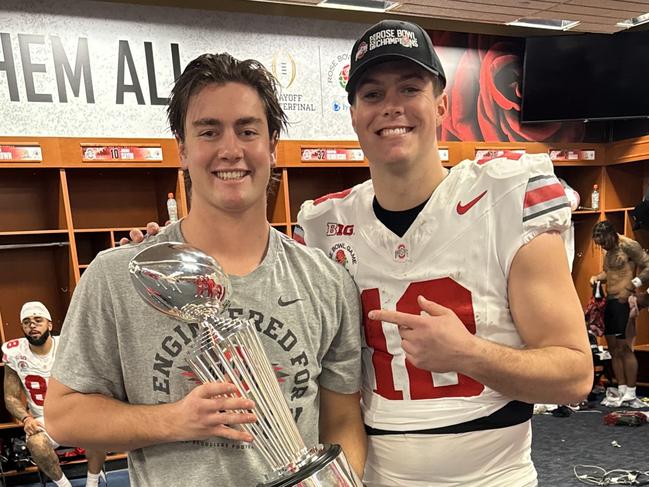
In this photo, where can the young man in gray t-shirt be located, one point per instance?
(120, 381)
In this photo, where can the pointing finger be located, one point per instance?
(431, 307)
(395, 317)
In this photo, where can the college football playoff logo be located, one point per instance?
(284, 68)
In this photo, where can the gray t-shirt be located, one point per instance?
(305, 308)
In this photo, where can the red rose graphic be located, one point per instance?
(484, 89)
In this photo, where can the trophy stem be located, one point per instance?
(258, 380)
(251, 346)
(204, 367)
(231, 351)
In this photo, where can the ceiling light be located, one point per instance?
(639, 20)
(365, 5)
(545, 24)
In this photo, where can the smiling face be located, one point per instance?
(227, 148)
(396, 114)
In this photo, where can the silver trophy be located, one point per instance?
(189, 285)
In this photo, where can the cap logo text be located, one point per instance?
(386, 37)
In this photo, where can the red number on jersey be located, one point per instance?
(12, 343)
(37, 387)
(444, 291)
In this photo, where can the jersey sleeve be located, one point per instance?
(313, 213)
(535, 202)
(307, 219)
(8, 357)
(87, 359)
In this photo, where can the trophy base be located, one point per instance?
(323, 466)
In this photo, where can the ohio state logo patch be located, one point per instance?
(362, 49)
(401, 253)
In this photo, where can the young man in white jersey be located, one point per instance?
(470, 311)
(28, 363)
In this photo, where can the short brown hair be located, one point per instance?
(220, 69)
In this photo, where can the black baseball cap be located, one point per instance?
(392, 40)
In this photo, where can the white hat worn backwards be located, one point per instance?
(34, 308)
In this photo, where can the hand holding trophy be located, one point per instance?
(189, 285)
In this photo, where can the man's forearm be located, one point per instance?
(16, 407)
(554, 374)
(341, 423)
(350, 435)
(98, 422)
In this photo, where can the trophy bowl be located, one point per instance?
(180, 281)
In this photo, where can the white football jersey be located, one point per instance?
(33, 370)
(458, 253)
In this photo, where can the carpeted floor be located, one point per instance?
(558, 444)
(116, 478)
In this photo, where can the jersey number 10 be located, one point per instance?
(444, 291)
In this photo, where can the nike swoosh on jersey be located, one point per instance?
(462, 209)
(287, 303)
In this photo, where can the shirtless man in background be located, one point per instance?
(626, 268)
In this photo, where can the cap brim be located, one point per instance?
(360, 70)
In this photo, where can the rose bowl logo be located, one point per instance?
(284, 68)
(344, 254)
(343, 77)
